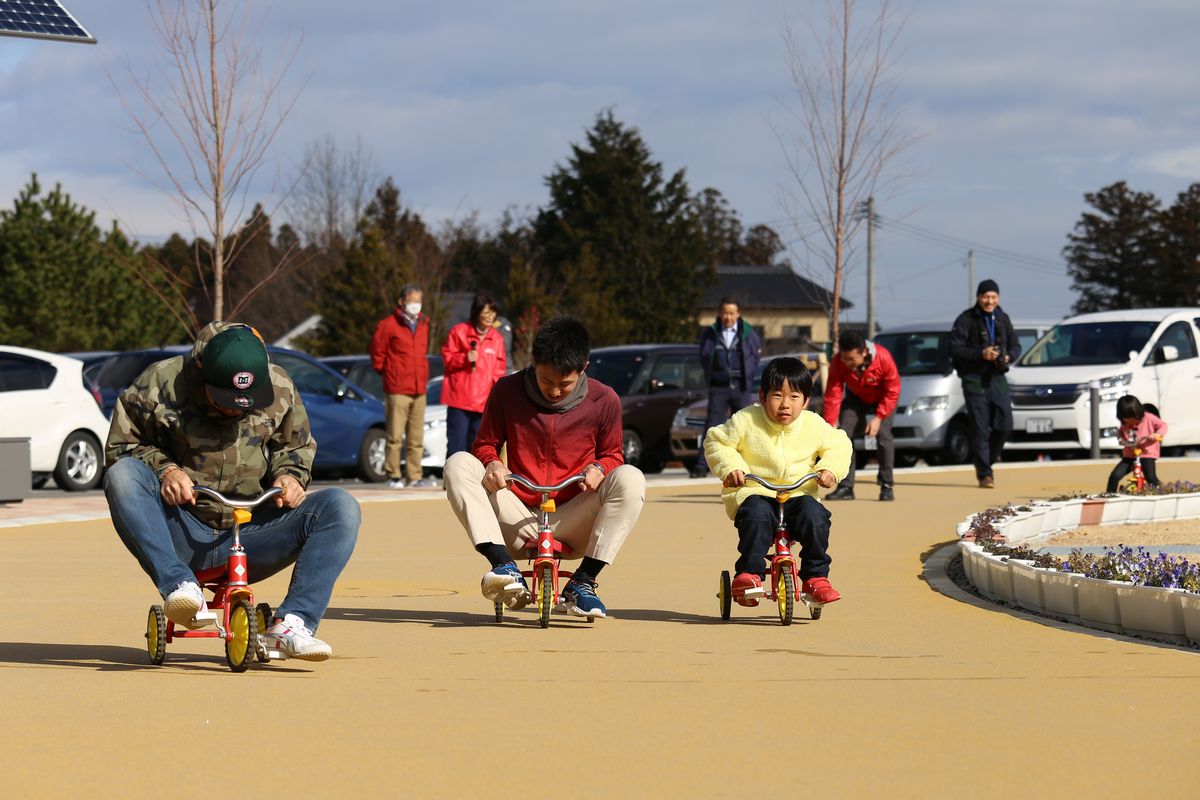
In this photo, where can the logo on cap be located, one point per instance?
(243, 401)
(243, 380)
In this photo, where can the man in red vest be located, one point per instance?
(398, 351)
(865, 375)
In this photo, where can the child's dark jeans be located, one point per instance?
(1125, 466)
(807, 522)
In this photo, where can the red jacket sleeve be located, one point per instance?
(832, 405)
(890, 378)
(491, 436)
(609, 453)
(501, 359)
(379, 345)
(454, 351)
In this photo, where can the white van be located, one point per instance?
(1150, 353)
(931, 416)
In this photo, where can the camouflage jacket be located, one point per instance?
(164, 419)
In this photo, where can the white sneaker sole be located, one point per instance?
(277, 648)
(576, 611)
(501, 587)
(185, 611)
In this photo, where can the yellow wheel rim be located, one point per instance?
(239, 634)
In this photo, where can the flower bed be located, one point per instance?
(1124, 589)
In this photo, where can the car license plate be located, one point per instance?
(1039, 425)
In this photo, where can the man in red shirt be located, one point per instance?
(865, 375)
(398, 351)
(556, 423)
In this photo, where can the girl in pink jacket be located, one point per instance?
(473, 359)
(1140, 429)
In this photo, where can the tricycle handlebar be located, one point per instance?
(528, 484)
(780, 487)
(220, 498)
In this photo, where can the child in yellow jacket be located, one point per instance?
(781, 442)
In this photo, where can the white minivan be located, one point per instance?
(1150, 353)
(931, 417)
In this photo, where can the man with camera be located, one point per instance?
(982, 345)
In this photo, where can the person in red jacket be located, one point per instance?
(556, 423)
(863, 380)
(473, 357)
(398, 351)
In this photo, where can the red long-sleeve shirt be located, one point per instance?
(879, 383)
(546, 447)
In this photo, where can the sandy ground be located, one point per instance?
(898, 691)
(1186, 531)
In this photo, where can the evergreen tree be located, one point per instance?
(1115, 252)
(1178, 283)
(611, 200)
(65, 285)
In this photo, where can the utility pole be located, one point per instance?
(970, 277)
(870, 267)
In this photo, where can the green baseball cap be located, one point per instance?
(234, 366)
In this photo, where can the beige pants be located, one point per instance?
(405, 414)
(593, 523)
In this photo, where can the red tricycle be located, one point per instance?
(1136, 483)
(545, 552)
(785, 574)
(230, 587)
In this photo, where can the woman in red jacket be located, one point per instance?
(473, 358)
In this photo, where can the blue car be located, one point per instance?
(347, 422)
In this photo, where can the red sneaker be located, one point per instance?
(747, 588)
(820, 590)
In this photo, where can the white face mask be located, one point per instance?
(412, 309)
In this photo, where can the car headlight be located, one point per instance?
(434, 424)
(939, 402)
(1113, 387)
(680, 420)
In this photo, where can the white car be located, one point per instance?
(1150, 353)
(43, 397)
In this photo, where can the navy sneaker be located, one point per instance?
(579, 598)
(505, 584)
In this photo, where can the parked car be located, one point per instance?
(653, 382)
(43, 396)
(1149, 353)
(92, 360)
(347, 421)
(360, 372)
(689, 421)
(930, 421)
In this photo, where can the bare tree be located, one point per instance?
(209, 111)
(847, 129)
(332, 190)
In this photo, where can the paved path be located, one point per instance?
(898, 691)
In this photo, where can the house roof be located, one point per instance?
(767, 287)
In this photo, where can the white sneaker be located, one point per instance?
(396, 483)
(294, 640)
(425, 483)
(185, 606)
(505, 584)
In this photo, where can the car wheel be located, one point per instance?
(631, 447)
(371, 456)
(79, 463)
(957, 449)
(907, 458)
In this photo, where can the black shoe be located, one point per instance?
(699, 472)
(841, 493)
(885, 494)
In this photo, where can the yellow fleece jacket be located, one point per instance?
(752, 442)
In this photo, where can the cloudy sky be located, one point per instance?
(1017, 109)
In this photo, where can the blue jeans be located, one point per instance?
(171, 544)
(461, 429)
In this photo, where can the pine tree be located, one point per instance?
(65, 285)
(1114, 253)
(1178, 283)
(612, 200)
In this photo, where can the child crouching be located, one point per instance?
(781, 442)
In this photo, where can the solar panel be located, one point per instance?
(40, 19)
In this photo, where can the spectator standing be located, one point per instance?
(863, 379)
(398, 351)
(729, 350)
(982, 345)
(474, 359)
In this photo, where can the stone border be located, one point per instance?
(1116, 606)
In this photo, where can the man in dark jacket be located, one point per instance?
(730, 351)
(982, 345)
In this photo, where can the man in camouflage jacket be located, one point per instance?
(224, 418)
